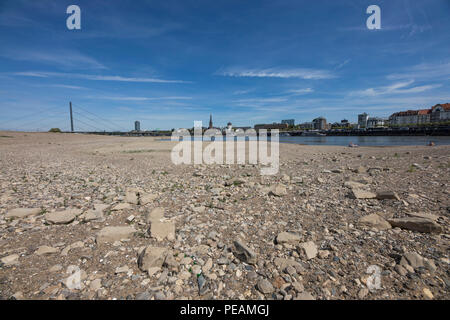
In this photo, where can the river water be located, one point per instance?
(368, 140)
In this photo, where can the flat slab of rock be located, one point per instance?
(93, 215)
(151, 257)
(162, 230)
(147, 198)
(244, 253)
(155, 215)
(131, 197)
(111, 234)
(416, 224)
(121, 206)
(10, 260)
(45, 250)
(423, 215)
(287, 237)
(61, 217)
(362, 194)
(22, 212)
(375, 221)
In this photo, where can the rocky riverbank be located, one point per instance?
(98, 217)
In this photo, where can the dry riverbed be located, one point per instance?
(116, 214)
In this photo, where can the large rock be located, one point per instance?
(121, 206)
(362, 194)
(310, 249)
(61, 217)
(416, 224)
(151, 257)
(375, 221)
(162, 230)
(22, 212)
(428, 216)
(244, 253)
(155, 215)
(111, 234)
(287, 237)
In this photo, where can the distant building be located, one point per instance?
(362, 120)
(137, 126)
(440, 113)
(278, 126)
(374, 122)
(436, 114)
(306, 126)
(345, 123)
(320, 123)
(210, 122)
(289, 122)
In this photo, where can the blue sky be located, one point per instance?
(168, 63)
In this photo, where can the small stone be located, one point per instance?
(287, 237)
(427, 293)
(304, 296)
(278, 190)
(244, 253)
(121, 206)
(265, 286)
(363, 293)
(382, 195)
(147, 198)
(310, 249)
(151, 257)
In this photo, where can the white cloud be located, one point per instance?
(395, 88)
(63, 58)
(424, 71)
(300, 91)
(302, 73)
(95, 77)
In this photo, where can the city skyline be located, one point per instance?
(167, 65)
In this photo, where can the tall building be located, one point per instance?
(137, 126)
(289, 122)
(210, 122)
(362, 120)
(320, 123)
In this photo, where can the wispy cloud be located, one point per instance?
(301, 73)
(300, 91)
(438, 71)
(144, 98)
(95, 77)
(62, 58)
(395, 88)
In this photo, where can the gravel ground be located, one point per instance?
(94, 217)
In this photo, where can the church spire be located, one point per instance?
(210, 121)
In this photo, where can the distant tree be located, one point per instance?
(55, 130)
